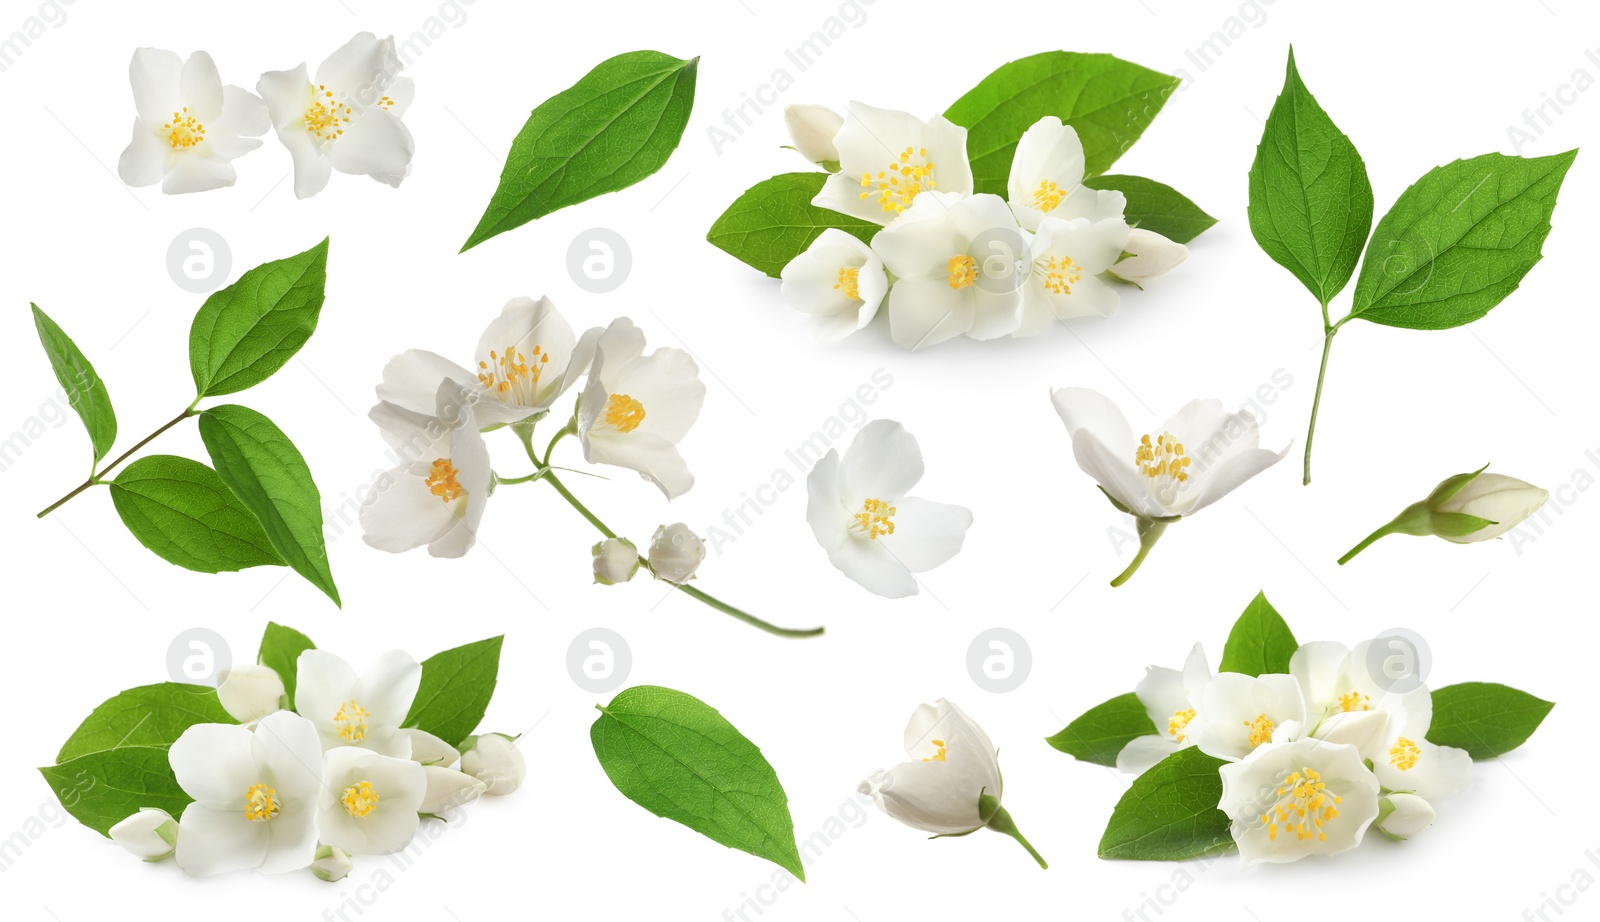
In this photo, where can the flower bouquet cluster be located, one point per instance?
(1291, 749)
(990, 220)
(633, 410)
(190, 127)
(291, 763)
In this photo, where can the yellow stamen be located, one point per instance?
(441, 481)
(1260, 730)
(624, 412)
(1404, 754)
(260, 803)
(1178, 723)
(360, 799)
(1304, 807)
(325, 114)
(1354, 701)
(938, 756)
(906, 177)
(1060, 274)
(512, 371)
(184, 131)
(1164, 457)
(963, 271)
(352, 722)
(1048, 196)
(875, 519)
(849, 276)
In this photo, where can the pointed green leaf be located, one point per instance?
(774, 221)
(606, 132)
(247, 331)
(1310, 200)
(456, 688)
(1458, 241)
(264, 469)
(1486, 719)
(675, 756)
(280, 650)
(183, 512)
(1260, 642)
(1157, 207)
(84, 389)
(1099, 735)
(1109, 101)
(1170, 813)
(150, 715)
(101, 789)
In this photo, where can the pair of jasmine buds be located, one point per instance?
(675, 554)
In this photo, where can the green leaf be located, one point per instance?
(1104, 729)
(1458, 241)
(247, 331)
(264, 469)
(150, 715)
(1310, 200)
(280, 650)
(1260, 642)
(606, 132)
(774, 221)
(1170, 813)
(1109, 101)
(1485, 719)
(455, 691)
(183, 512)
(675, 756)
(1157, 207)
(101, 789)
(85, 391)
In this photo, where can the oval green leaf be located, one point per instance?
(1458, 241)
(183, 512)
(85, 391)
(280, 651)
(1109, 101)
(456, 688)
(1486, 719)
(1099, 735)
(1170, 813)
(1260, 642)
(1157, 207)
(1310, 199)
(606, 132)
(247, 331)
(774, 221)
(675, 756)
(101, 789)
(150, 715)
(267, 473)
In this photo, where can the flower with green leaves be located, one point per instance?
(1463, 509)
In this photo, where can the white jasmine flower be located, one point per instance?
(636, 408)
(951, 762)
(363, 711)
(873, 532)
(887, 159)
(348, 118)
(839, 281)
(1290, 800)
(190, 128)
(1242, 712)
(438, 494)
(1066, 259)
(369, 802)
(1171, 698)
(1046, 179)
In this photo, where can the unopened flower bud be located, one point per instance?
(1152, 255)
(151, 834)
(615, 561)
(812, 129)
(250, 692)
(1464, 509)
(449, 789)
(330, 863)
(675, 553)
(1402, 816)
(496, 761)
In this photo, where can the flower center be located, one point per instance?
(849, 276)
(442, 483)
(1060, 274)
(1048, 196)
(1260, 730)
(1178, 723)
(1354, 701)
(352, 722)
(510, 370)
(906, 177)
(1404, 754)
(360, 799)
(260, 803)
(184, 132)
(938, 756)
(1304, 805)
(963, 271)
(324, 116)
(875, 519)
(1163, 458)
(624, 412)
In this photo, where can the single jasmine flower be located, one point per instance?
(888, 159)
(369, 802)
(636, 408)
(190, 128)
(363, 711)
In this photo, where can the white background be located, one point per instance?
(89, 612)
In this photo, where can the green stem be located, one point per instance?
(748, 618)
(1149, 533)
(1316, 402)
(96, 478)
(1415, 520)
(1002, 823)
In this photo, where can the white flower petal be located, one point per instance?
(212, 841)
(155, 75)
(144, 160)
(193, 173)
(927, 534)
(925, 312)
(1143, 753)
(873, 567)
(883, 462)
(214, 764)
(200, 88)
(411, 379)
(361, 68)
(388, 687)
(376, 144)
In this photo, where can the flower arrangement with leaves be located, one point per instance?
(1455, 244)
(290, 763)
(631, 413)
(257, 505)
(1291, 749)
(993, 219)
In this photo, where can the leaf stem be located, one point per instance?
(97, 478)
(1316, 402)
